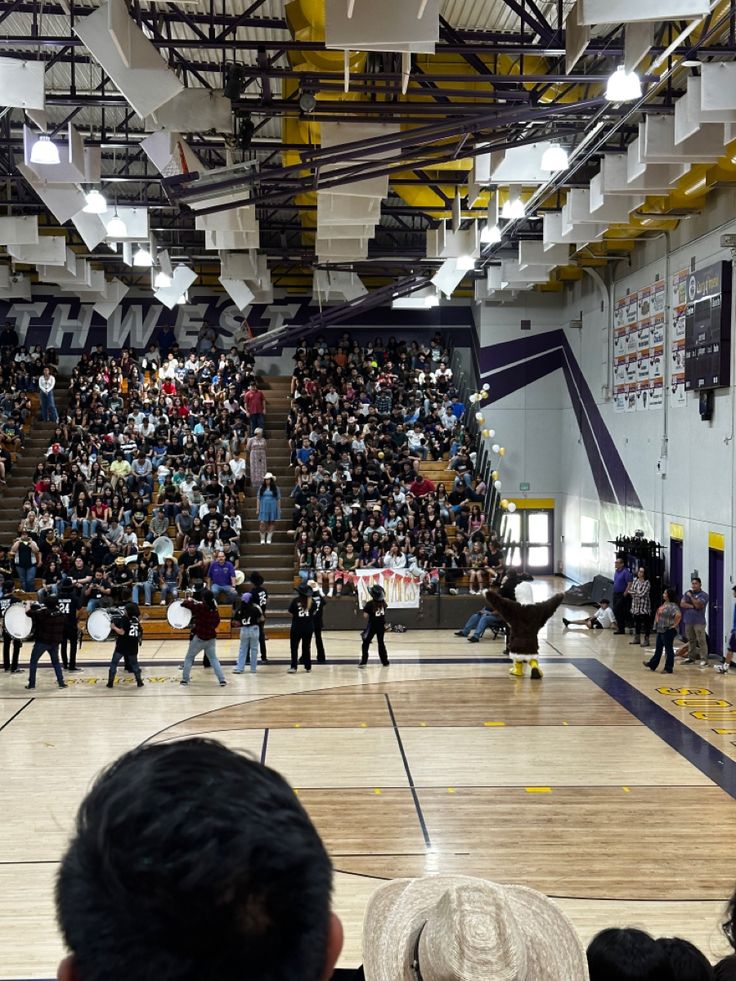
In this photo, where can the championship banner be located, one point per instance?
(402, 588)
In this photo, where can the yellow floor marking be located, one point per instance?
(363, 725)
(451, 790)
(566, 723)
(297, 725)
(494, 723)
(627, 790)
(377, 791)
(296, 791)
(538, 790)
(423, 725)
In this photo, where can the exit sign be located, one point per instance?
(524, 486)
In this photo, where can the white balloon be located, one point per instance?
(475, 398)
(486, 387)
(497, 484)
(479, 416)
(495, 447)
(491, 433)
(511, 508)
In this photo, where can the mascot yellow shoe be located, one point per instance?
(536, 672)
(517, 669)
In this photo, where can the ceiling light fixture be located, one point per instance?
(513, 209)
(116, 227)
(45, 151)
(623, 86)
(554, 159)
(465, 262)
(490, 234)
(142, 257)
(162, 280)
(96, 203)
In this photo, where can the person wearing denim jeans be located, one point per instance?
(476, 625)
(666, 621)
(204, 637)
(26, 556)
(209, 647)
(248, 614)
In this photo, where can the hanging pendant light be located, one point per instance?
(142, 257)
(96, 203)
(116, 227)
(45, 151)
(554, 159)
(162, 281)
(623, 86)
(490, 234)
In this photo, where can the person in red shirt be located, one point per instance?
(204, 638)
(255, 406)
(421, 486)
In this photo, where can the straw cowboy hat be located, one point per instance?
(454, 928)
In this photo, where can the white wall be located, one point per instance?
(541, 430)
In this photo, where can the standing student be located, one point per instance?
(48, 624)
(319, 601)
(666, 621)
(129, 637)
(375, 612)
(302, 628)
(247, 614)
(69, 605)
(6, 601)
(204, 638)
(722, 668)
(260, 596)
(269, 508)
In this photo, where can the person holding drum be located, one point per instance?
(247, 614)
(302, 628)
(6, 601)
(48, 624)
(260, 596)
(127, 629)
(206, 620)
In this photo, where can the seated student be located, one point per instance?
(688, 963)
(628, 955)
(477, 624)
(190, 861)
(603, 619)
(421, 929)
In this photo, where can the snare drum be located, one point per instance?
(99, 625)
(17, 622)
(178, 615)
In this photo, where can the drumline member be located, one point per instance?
(302, 628)
(69, 605)
(319, 600)
(48, 624)
(375, 612)
(206, 619)
(129, 637)
(247, 614)
(6, 601)
(260, 596)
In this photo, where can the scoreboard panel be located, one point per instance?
(708, 328)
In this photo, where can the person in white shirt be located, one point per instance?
(46, 384)
(603, 619)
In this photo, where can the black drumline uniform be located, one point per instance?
(376, 611)
(302, 628)
(69, 605)
(126, 646)
(260, 598)
(319, 601)
(7, 600)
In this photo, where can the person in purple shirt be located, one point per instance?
(621, 580)
(693, 605)
(221, 577)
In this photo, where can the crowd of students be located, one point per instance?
(362, 421)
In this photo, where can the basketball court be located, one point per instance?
(600, 785)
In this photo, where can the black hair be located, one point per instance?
(51, 602)
(208, 598)
(627, 955)
(132, 609)
(688, 963)
(195, 863)
(725, 970)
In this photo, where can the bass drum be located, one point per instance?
(17, 622)
(99, 625)
(178, 615)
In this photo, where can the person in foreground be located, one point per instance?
(191, 862)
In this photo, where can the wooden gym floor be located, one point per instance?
(608, 787)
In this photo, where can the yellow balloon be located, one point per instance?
(504, 503)
(502, 451)
(484, 395)
(486, 432)
(494, 474)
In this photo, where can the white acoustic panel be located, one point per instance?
(181, 280)
(520, 164)
(170, 153)
(718, 87)
(215, 241)
(239, 292)
(111, 298)
(49, 250)
(333, 135)
(19, 231)
(136, 223)
(448, 277)
(610, 204)
(577, 36)
(239, 265)
(382, 25)
(552, 232)
(22, 84)
(535, 254)
(91, 229)
(194, 111)
(234, 220)
(14, 286)
(658, 144)
(638, 39)
(339, 209)
(624, 11)
(63, 200)
(345, 248)
(77, 164)
(442, 243)
(149, 83)
(512, 275)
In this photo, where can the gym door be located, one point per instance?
(675, 576)
(715, 605)
(528, 542)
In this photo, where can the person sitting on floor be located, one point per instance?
(602, 619)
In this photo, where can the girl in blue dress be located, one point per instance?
(269, 507)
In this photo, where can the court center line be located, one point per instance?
(415, 796)
(711, 762)
(15, 714)
(264, 747)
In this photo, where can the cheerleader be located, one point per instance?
(301, 609)
(375, 612)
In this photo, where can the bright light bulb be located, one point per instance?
(491, 234)
(162, 281)
(432, 300)
(96, 203)
(44, 151)
(554, 159)
(623, 86)
(116, 227)
(142, 257)
(513, 209)
(465, 262)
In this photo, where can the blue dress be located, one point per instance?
(268, 506)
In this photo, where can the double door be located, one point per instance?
(527, 537)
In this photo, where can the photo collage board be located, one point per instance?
(639, 349)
